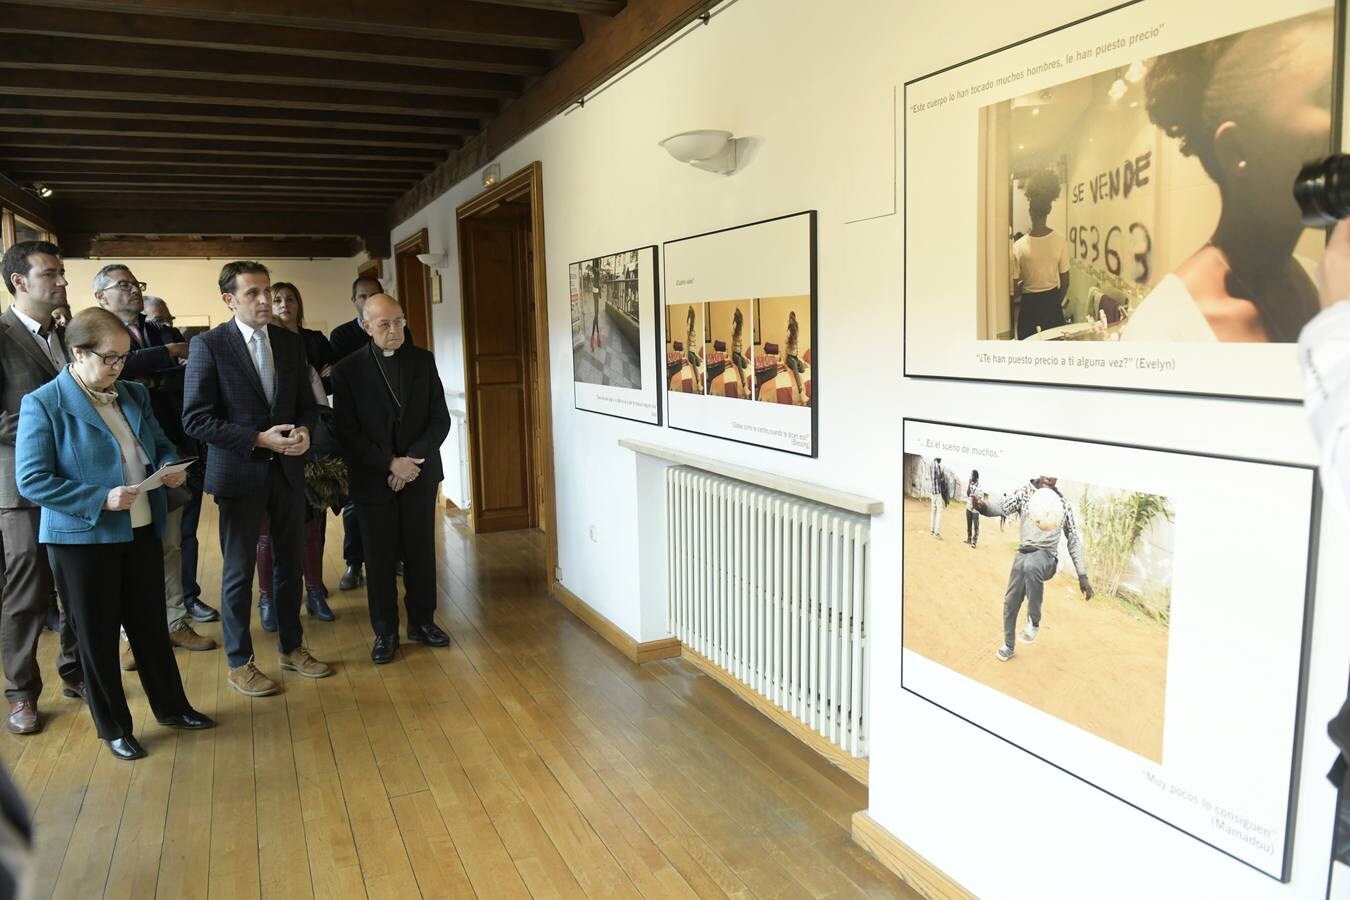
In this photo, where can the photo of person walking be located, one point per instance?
(1068, 610)
(606, 320)
(973, 496)
(1046, 518)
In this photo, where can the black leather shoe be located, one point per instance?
(428, 634)
(267, 613)
(384, 649)
(74, 690)
(126, 748)
(317, 604)
(352, 578)
(191, 720)
(199, 611)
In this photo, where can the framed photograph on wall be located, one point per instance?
(615, 337)
(1115, 207)
(740, 325)
(1099, 605)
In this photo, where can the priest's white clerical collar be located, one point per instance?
(387, 353)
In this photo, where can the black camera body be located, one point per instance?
(1322, 190)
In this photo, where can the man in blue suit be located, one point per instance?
(248, 397)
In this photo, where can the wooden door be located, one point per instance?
(497, 339)
(414, 294)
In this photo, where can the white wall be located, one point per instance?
(811, 85)
(189, 285)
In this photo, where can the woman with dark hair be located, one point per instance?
(738, 351)
(972, 509)
(791, 360)
(86, 440)
(1040, 261)
(288, 309)
(1252, 108)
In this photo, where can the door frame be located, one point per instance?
(412, 245)
(527, 182)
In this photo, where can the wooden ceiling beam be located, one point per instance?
(579, 7)
(609, 47)
(425, 156)
(447, 20)
(78, 219)
(11, 157)
(191, 114)
(348, 190)
(84, 55)
(223, 248)
(59, 173)
(32, 82)
(250, 37)
(19, 123)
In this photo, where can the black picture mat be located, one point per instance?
(1314, 530)
(1338, 114)
(815, 332)
(656, 300)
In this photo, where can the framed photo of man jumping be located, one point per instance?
(1090, 603)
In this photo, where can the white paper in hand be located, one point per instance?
(157, 479)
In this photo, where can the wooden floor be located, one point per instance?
(527, 759)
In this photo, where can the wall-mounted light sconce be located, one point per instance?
(492, 174)
(433, 260)
(711, 151)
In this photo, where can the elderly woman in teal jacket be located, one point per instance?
(85, 441)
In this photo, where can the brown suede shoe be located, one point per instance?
(183, 636)
(23, 718)
(248, 681)
(302, 662)
(128, 660)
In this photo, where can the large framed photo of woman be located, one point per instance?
(613, 301)
(1120, 208)
(740, 328)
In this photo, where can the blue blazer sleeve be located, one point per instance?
(37, 472)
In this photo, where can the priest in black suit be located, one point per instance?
(248, 397)
(392, 419)
(346, 339)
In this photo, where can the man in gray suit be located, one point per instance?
(32, 351)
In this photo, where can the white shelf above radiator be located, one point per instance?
(857, 503)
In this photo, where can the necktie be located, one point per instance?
(136, 334)
(46, 337)
(263, 360)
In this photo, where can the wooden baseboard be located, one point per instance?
(926, 879)
(850, 765)
(637, 651)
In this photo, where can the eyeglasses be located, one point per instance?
(111, 360)
(387, 326)
(128, 285)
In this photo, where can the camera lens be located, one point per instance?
(1323, 191)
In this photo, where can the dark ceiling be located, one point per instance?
(290, 127)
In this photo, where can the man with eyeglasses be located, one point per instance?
(156, 360)
(392, 419)
(32, 351)
(346, 339)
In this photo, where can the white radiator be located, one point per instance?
(773, 589)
